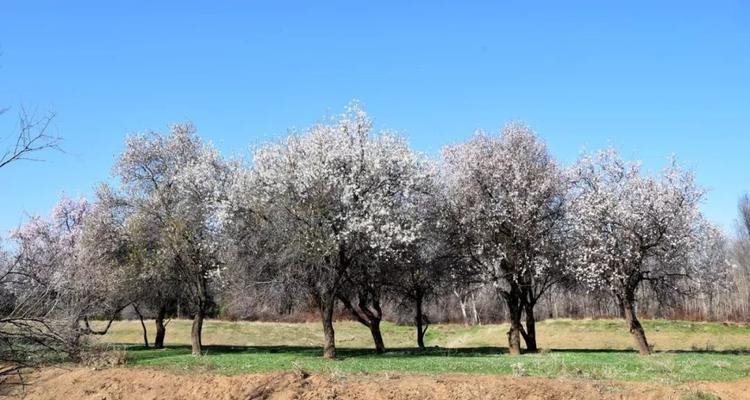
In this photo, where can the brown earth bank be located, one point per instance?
(145, 384)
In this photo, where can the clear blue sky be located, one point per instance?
(651, 78)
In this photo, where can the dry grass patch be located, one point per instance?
(554, 334)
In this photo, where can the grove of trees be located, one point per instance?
(348, 222)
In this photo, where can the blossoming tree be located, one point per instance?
(55, 286)
(628, 229)
(505, 197)
(177, 184)
(332, 193)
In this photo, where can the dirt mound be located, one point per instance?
(141, 384)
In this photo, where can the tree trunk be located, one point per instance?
(377, 337)
(629, 308)
(474, 312)
(462, 304)
(161, 330)
(195, 332)
(514, 334)
(530, 336)
(515, 309)
(326, 306)
(369, 315)
(419, 320)
(143, 325)
(73, 342)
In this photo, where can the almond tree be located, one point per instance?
(421, 271)
(405, 208)
(628, 229)
(421, 274)
(49, 259)
(176, 185)
(54, 285)
(331, 193)
(31, 137)
(505, 198)
(127, 242)
(376, 274)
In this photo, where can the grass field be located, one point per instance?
(596, 349)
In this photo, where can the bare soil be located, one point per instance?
(145, 384)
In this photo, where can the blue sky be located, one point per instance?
(651, 78)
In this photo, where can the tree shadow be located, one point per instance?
(141, 353)
(734, 352)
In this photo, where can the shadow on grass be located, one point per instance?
(740, 352)
(142, 353)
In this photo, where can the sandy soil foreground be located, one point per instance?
(144, 384)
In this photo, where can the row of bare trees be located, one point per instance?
(340, 218)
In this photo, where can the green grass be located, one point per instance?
(673, 367)
(591, 349)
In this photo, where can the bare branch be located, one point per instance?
(32, 137)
